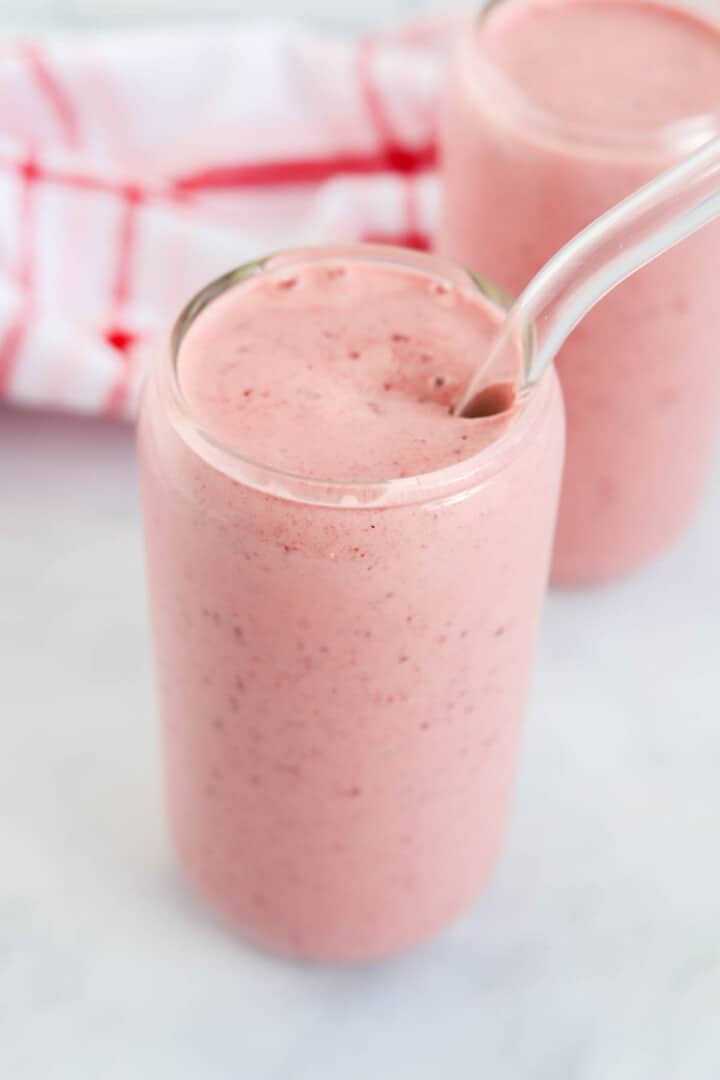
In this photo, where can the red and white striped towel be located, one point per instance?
(136, 167)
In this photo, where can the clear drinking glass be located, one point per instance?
(640, 375)
(342, 668)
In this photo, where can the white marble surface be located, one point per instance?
(595, 954)
(79, 14)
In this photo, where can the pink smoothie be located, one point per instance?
(345, 628)
(556, 110)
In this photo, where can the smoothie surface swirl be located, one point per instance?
(344, 370)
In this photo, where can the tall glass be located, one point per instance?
(640, 375)
(342, 667)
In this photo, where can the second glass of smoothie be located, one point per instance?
(556, 110)
(346, 582)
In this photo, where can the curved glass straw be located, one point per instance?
(649, 222)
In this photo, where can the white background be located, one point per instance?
(595, 953)
(81, 13)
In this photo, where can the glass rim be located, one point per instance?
(679, 137)
(447, 481)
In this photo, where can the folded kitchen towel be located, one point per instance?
(135, 167)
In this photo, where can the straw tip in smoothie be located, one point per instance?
(493, 400)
